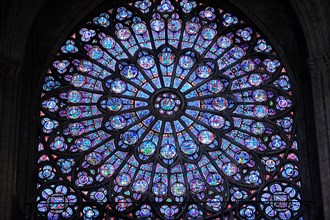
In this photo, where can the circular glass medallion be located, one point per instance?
(205, 137)
(259, 95)
(73, 112)
(220, 103)
(123, 34)
(247, 65)
(78, 80)
(204, 71)
(174, 25)
(118, 122)
(224, 42)
(258, 128)
(129, 72)
(157, 25)
(215, 86)
(178, 189)
(186, 62)
(167, 103)
(83, 144)
(168, 151)
(197, 185)
(208, 33)
(260, 111)
(130, 137)
(118, 86)
(214, 179)
(166, 58)
(147, 148)
(74, 96)
(217, 121)
(123, 179)
(114, 104)
(146, 62)
(95, 53)
(192, 28)
(140, 186)
(76, 129)
(230, 169)
(251, 143)
(189, 148)
(108, 42)
(242, 157)
(255, 79)
(237, 52)
(159, 189)
(107, 170)
(93, 158)
(139, 28)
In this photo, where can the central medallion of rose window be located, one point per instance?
(167, 103)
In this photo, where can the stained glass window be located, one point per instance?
(167, 110)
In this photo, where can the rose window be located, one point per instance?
(167, 110)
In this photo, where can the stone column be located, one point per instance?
(319, 68)
(10, 85)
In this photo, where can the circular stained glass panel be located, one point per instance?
(169, 103)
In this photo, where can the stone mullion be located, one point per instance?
(319, 71)
(9, 122)
(26, 171)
